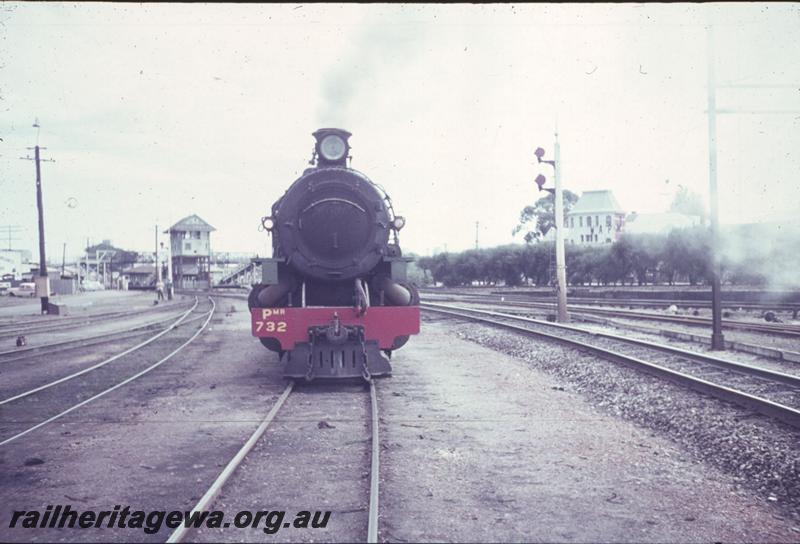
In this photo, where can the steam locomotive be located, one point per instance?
(334, 300)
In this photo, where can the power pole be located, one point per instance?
(717, 339)
(43, 285)
(477, 224)
(63, 258)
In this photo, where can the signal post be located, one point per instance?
(562, 316)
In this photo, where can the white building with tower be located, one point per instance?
(596, 219)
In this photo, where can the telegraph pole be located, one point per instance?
(477, 224)
(717, 339)
(43, 284)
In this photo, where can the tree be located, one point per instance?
(645, 250)
(438, 265)
(542, 215)
(621, 259)
(426, 265)
(536, 260)
(687, 253)
(582, 264)
(508, 262)
(688, 202)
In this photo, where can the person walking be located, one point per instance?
(160, 289)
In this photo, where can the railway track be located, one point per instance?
(767, 392)
(663, 304)
(785, 330)
(20, 407)
(208, 498)
(53, 324)
(61, 346)
(630, 302)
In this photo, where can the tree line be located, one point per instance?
(681, 256)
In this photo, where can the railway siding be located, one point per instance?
(764, 351)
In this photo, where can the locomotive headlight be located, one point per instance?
(399, 222)
(332, 147)
(268, 223)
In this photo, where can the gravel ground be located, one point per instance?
(760, 454)
(479, 446)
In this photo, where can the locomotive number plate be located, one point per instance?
(290, 325)
(272, 320)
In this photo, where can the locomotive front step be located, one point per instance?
(326, 360)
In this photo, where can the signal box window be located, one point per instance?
(187, 246)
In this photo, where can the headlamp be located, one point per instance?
(332, 147)
(399, 222)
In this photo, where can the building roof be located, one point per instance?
(596, 202)
(191, 223)
(105, 245)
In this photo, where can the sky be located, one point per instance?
(153, 112)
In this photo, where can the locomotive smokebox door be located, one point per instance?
(332, 225)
